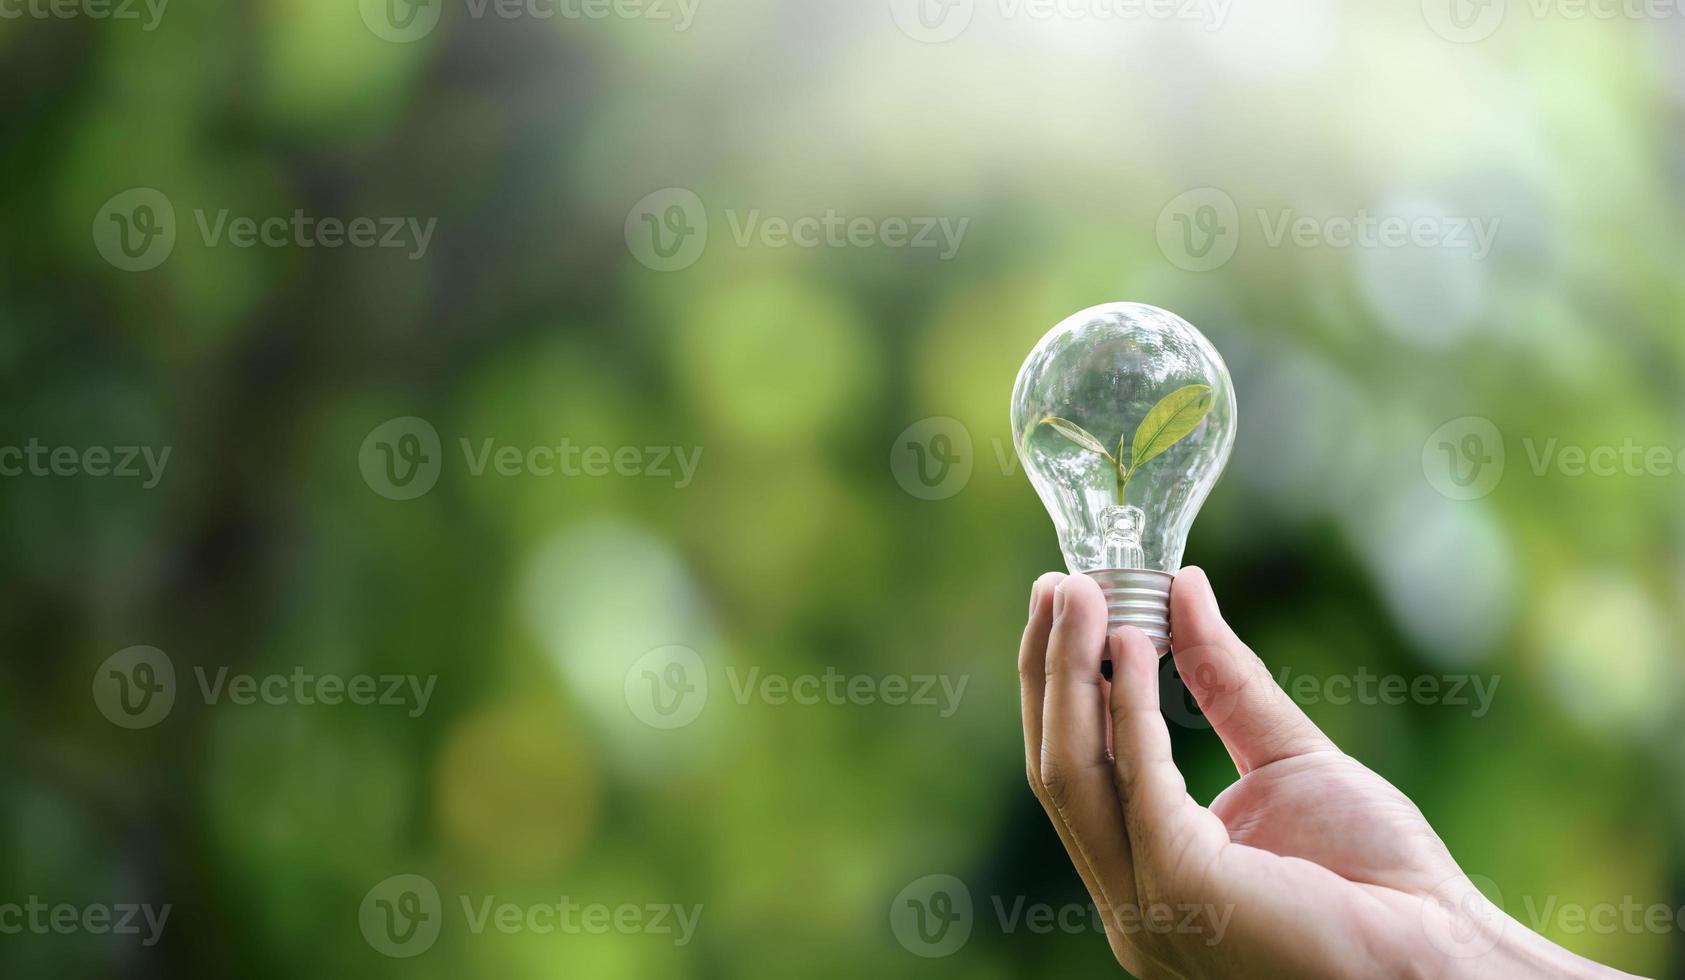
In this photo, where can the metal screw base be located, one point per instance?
(1138, 597)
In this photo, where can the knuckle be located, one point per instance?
(1056, 784)
(1028, 669)
(1123, 778)
(1053, 663)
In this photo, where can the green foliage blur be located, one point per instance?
(538, 316)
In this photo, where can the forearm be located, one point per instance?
(1519, 952)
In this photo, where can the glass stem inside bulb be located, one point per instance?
(1123, 526)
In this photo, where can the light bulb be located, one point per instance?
(1124, 416)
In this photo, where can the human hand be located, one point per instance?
(1309, 865)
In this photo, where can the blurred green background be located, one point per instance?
(557, 300)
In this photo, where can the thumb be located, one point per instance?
(1257, 721)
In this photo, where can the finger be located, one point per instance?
(1032, 676)
(1148, 782)
(1032, 670)
(1177, 844)
(1075, 769)
(1257, 721)
(1174, 840)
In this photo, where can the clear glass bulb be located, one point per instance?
(1123, 494)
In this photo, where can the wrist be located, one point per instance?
(1525, 953)
(1480, 940)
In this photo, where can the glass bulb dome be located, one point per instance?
(1124, 416)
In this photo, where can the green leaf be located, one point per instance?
(1077, 434)
(1175, 415)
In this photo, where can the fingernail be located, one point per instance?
(1035, 596)
(1059, 601)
